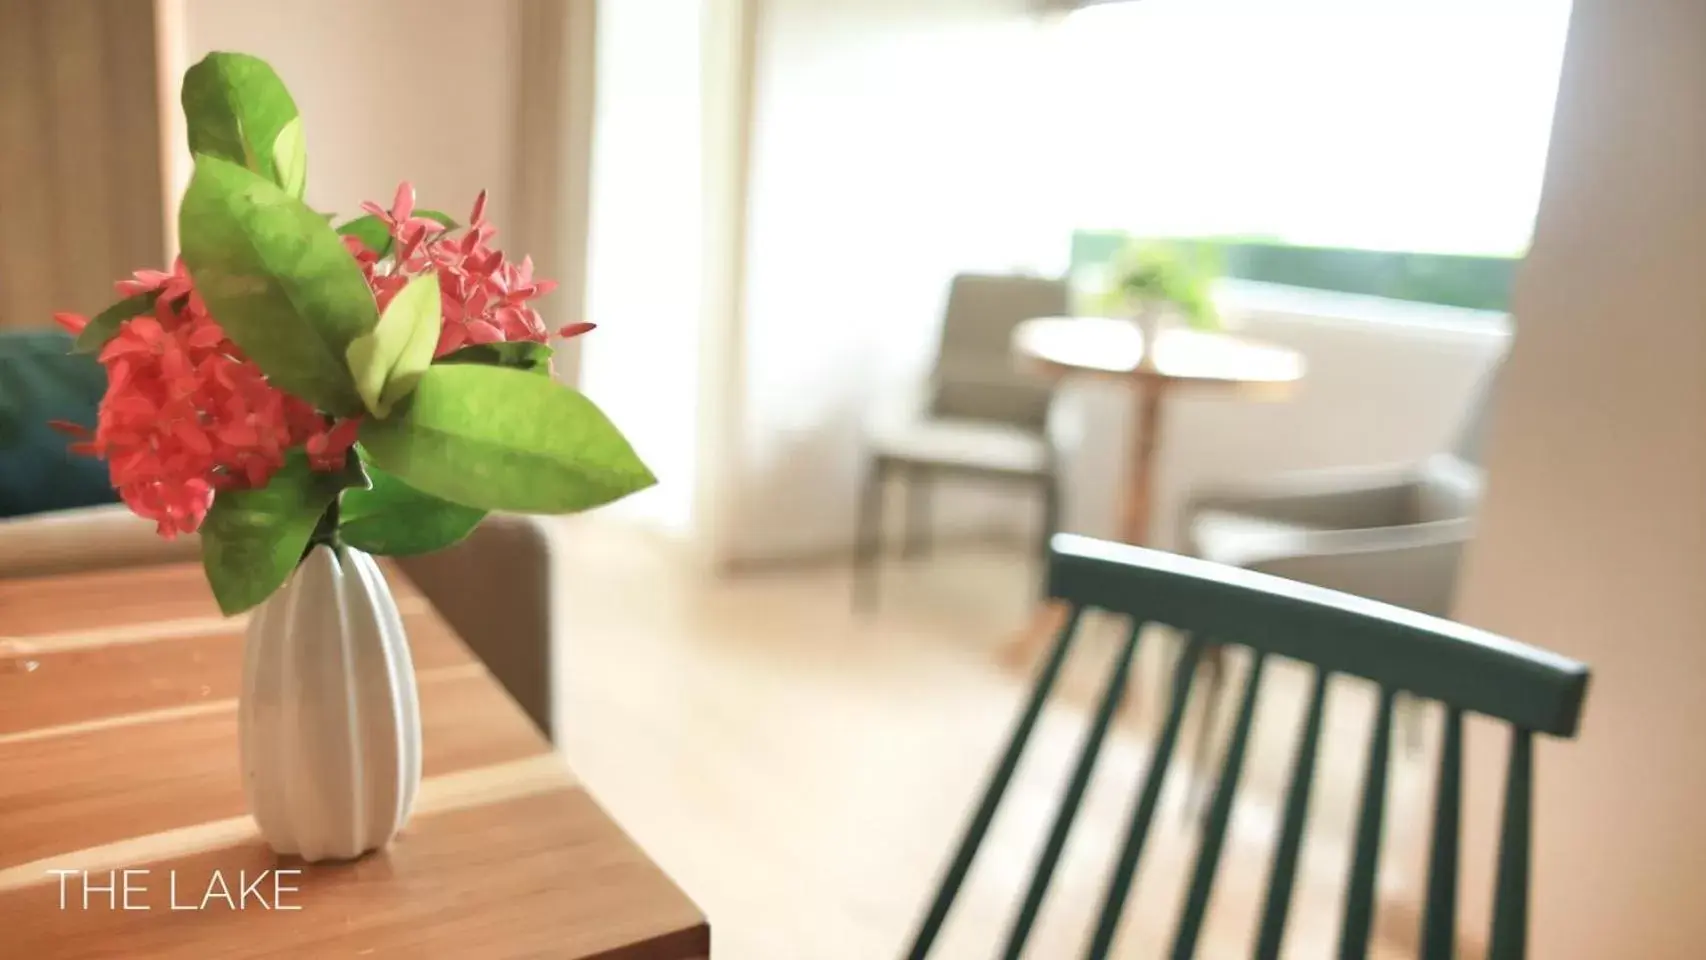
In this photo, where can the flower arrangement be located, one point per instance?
(383, 383)
(1147, 275)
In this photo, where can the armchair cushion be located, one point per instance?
(903, 429)
(1390, 534)
(40, 380)
(1413, 566)
(1352, 499)
(965, 443)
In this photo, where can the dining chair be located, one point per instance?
(977, 416)
(1466, 670)
(1390, 533)
(495, 589)
(1394, 534)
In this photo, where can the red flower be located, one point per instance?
(484, 298)
(186, 414)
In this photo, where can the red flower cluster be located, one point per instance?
(186, 414)
(482, 296)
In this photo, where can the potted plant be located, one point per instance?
(1156, 283)
(306, 395)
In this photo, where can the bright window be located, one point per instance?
(1405, 125)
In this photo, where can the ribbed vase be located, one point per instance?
(329, 720)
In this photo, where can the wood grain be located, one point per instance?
(118, 752)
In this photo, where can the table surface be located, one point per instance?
(1112, 347)
(118, 751)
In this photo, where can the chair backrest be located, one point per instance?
(1464, 669)
(1472, 433)
(975, 376)
(1449, 484)
(495, 590)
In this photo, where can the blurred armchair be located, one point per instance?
(976, 416)
(1391, 534)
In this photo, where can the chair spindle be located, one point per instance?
(1510, 899)
(967, 850)
(1131, 850)
(1439, 921)
(1219, 812)
(1278, 900)
(1365, 859)
(1074, 797)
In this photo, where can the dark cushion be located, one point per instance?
(40, 380)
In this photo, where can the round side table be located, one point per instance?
(1179, 359)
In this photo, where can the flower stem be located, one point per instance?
(326, 530)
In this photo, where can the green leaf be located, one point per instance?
(237, 108)
(520, 354)
(394, 519)
(387, 362)
(279, 281)
(376, 236)
(104, 325)
(290, 154)
(251, 540)
(504, 439)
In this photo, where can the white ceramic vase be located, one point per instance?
(329, 721)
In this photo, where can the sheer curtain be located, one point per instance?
(1415, 125)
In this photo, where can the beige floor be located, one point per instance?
(803, 774)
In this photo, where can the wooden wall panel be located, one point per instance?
(81, 195)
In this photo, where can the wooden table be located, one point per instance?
(118, 752)
(1181, 358)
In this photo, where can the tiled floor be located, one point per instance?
(804, 774)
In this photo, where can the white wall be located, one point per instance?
(894, 142)
(389, 90)
(644, 267)
(1593, 536)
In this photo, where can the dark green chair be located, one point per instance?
(1466, 670)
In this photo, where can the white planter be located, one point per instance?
(329, 721)
(1151, 319)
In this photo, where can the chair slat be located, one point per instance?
(1219, 812)
(1365, 859)
(1510, 898)
(967, 851)
(1278, 900)
(1143, 812)
(1439, 921)
(1214, 659)
(1427, 657)
(1069, 804)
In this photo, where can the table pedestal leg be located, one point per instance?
(1136, 505)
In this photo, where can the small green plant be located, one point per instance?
(1147, 275)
